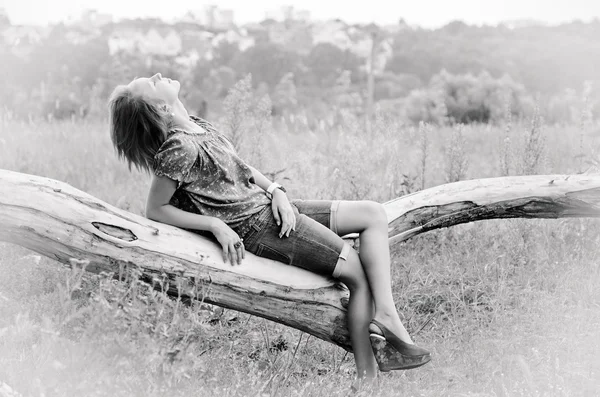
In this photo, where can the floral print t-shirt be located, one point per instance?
(212, 179)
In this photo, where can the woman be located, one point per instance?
(200, 183)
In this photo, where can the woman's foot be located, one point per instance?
(392, 324)
(392, 353)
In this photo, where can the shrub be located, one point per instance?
(456, 162)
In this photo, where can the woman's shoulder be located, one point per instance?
(178, 143)
(176, 137)
(179, 134)
(207, 125)
(213, 132)
(178, 158)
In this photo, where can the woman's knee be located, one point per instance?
(358, 216)
(375, 213)
(349, 270)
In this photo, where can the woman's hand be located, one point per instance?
(283, 213)
(233, 247)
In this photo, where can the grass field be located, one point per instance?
(508, 308)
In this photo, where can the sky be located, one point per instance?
(425, 13)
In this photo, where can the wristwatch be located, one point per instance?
(272, 188)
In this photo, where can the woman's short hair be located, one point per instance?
(137, 127)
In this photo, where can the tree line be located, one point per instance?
(457, 73)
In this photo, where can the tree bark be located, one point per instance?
(64, 223)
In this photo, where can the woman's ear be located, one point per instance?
(167, 114)
(167, 111)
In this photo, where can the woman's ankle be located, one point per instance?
(394, 325)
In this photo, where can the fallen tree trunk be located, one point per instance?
(63, 223)
(533, 196)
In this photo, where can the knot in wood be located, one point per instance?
(115, 231)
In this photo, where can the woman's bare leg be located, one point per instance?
(370, 220)
(360, 313)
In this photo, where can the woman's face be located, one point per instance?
(156, 87)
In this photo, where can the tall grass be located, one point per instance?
(509, 308)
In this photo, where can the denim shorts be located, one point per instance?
(314, 245)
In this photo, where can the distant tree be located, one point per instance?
(415, 52)
(469, 98)
(267, 63)
(344, 97)
(164, 65)
(466, 99)
(219, 81)
(285, 95)
(481, 64)
(301, 39)
(523, 53)
(390, 85)
(57, 60)
(237, 106)
(4, 21)
(200, 72)
(225, 53)
(425, 105)
(10, 69)
(455, 27)
(326, 61)
(87, 59)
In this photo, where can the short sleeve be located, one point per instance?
(178, 158)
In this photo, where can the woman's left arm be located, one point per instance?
(282, 209)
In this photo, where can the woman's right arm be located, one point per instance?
(158, 209)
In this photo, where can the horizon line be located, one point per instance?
(528, 21)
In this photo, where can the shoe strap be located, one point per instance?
(379, 326)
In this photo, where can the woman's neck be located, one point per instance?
(181, 119)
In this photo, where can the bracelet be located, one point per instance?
(272, 188)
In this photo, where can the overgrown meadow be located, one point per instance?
(508, 308)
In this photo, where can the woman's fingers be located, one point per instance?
(285, 224)
(292, 224)
(233, 248)
(288, 227)
(240, 254)
(289, 223)
(232, 253)
(225, 252)
(276, 215)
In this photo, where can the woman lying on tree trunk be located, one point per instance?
(199, 183)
